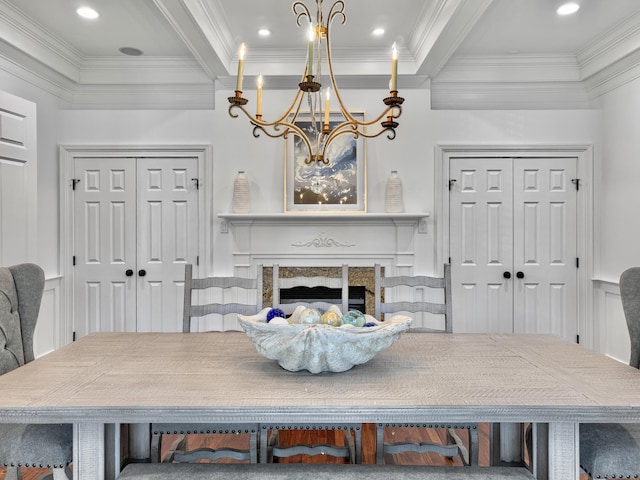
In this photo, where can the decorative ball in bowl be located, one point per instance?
(320, 342)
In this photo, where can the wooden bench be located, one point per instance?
(298, 471)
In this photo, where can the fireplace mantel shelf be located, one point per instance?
(324, 218)
(243, 217)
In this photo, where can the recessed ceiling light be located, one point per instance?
(568, 8)
(264, 32)
(378, 32)
(131, 51)
(87, 12)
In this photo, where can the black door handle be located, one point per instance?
(520, 274)
(128, 273)
(142, 273)
(507, 275)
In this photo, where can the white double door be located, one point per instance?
(135, 227)
(513, 245)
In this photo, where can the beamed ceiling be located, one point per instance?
(469, 53)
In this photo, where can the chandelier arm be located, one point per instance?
(338, 11)
(304, 13)
(348, 127)
(343, 128)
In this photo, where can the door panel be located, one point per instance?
(167, 239)
(515, 217)
(105, 217)
(545, 203)
(481, 244)
(137, 215)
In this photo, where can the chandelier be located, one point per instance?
(322, 131)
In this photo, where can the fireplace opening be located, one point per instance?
(361, 287)
(325, 294)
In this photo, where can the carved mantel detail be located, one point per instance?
(323, 241)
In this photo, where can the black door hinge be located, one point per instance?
(74, 260)
(577, 262)
(577, 338)
(74, 181)
(198, 260)
(73, 337)
(576, 182)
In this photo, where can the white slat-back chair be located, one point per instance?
(408, 285)
(197, 289)
(269, 438)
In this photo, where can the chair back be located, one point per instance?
(225, 286)
(21, 288)
(409, 305)
(630, 295)
(341, 282)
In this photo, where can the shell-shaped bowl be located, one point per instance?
(321, 348)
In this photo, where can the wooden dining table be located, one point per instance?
(117, 378)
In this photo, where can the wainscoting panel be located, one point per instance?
(612, 336)
(48, 335)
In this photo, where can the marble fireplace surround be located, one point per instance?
(317, 244)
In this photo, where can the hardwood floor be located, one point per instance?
(337, 438)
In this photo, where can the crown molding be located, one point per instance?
(511, 68)
(144, 97)
(353, 82)
(33, 72)
(611, 47)
(614, 76)
(509, 96)
(23, 34)
(144, 70)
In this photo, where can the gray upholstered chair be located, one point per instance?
(385, 287)
(270, 447)
(36, 445)
(613, 450)
(202, 297)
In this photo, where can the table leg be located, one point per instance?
(564, 454)
(88, 451)
(112, 451)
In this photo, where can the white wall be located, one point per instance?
(617, 213)
(618, 200)
(47, 165)
(412, 153)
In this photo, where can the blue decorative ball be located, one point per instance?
(273, 313)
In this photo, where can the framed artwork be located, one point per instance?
(336, 187)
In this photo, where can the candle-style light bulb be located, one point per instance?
(394, 68)
(312, 37)
(327, 104)
(260, 82)
(241, 54)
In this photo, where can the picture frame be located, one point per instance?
(336, 187)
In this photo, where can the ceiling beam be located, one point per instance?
(196, 24)
(445, 24)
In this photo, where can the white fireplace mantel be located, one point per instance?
(323, 239)
(323, 219)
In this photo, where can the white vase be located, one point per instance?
(240, 202)
(394, 202)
